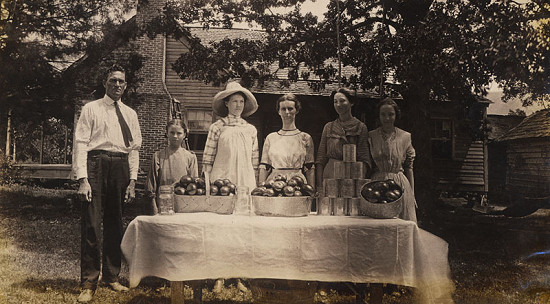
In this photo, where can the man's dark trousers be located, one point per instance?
(108, 175)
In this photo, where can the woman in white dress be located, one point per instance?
(289, 151)
(231, 149)
(393, 155)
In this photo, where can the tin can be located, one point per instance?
(349, 153)
(353, 206)
(357, 170)
(339, 169)
(324, 206)
(347, 188)
(331, 187)
(347, 170)
(339, 206)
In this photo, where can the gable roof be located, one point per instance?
(500, 124)
(212, 35)
(536, 125)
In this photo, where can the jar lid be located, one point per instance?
(165, 189)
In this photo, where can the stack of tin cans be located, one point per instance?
(341, 194)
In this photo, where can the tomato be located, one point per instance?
(191, 189)
(398, 192)
(258, 191)
(381, 186)
(269, 183)
(288, 191)
(280, 177)
(308, 189)
(370, 194)
(392, 185)
(200, 182)
(391, 196)
(269, 192)
(200, 191)
(179, 190)
(292, 182)
(226, 181)
(299, 180)
(279, 185)
(219, 183)
(225, 191)
(232, 187)
(297, 193)
(186, 180)
(214, 190)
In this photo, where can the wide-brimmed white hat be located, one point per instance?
(218, 104)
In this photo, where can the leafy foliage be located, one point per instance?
(448, 49)
(40, 38)
(8, 173)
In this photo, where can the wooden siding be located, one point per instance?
(528, 166)
(466, 171)
(192, 93)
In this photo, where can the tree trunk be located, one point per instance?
(66, 144)
(14, 149)
(416, 111)
(41, 143)
(8, 134)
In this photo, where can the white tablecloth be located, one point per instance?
(196, 246)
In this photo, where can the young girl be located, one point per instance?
(171, 163)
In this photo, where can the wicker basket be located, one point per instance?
(281, 206)
(204, 203)
(271, 291)
(380, 211)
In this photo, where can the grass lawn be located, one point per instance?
(491, 257)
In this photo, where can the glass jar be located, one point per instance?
(242, 204)
(165, 200)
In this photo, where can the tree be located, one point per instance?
(38, 39)
(431, 50)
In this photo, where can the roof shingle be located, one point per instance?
(536, 125)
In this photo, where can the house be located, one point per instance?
(527, 150)
(460, 159)
(497, 126)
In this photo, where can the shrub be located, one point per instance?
(8, 172)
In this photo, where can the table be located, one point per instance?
(197, 246)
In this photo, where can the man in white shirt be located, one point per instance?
(107, 143)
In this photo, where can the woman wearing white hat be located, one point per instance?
(231, 149)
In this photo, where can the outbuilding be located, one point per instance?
(527, 149)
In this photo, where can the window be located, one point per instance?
(197, 141)
(441, 133)
(198, 122)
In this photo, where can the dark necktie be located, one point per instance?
(123, 126)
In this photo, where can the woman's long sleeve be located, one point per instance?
(322, 157)
(410, 154)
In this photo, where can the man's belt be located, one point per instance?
(107, 153)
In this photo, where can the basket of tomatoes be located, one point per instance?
(282, 196)
(381, 199)
(197, 194)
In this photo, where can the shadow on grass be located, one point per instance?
(48, 285)
(47, 221)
